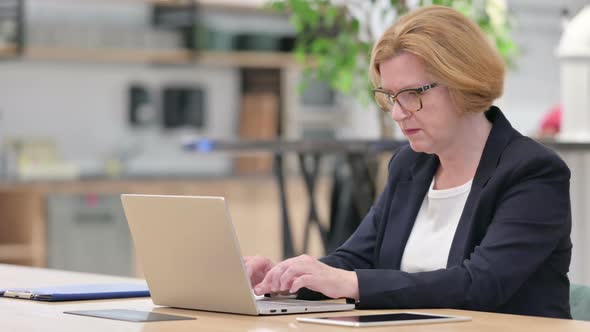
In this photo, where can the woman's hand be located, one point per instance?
(257, 267)
(306, 271)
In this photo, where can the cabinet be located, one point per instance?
(22, 227)
(88, 233)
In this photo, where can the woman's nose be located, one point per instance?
(398, 113)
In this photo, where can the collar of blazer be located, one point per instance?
(501, 134)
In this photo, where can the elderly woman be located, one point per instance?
(474, 215)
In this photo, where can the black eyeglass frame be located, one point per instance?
(393, 97)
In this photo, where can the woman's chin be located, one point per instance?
(420, 147)
(415, 145)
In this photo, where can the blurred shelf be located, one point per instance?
(8, 50)
(249, 5)
(169, 2)
(252, 59)
(256, 5)
(214, 58)
(180, 3)
(15, 252)
(107, 55)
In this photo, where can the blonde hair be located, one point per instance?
(454, 51)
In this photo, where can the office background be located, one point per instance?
(99, 98)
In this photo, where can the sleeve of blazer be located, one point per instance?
(358, 251)
(530, 219)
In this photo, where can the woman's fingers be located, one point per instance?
(275, 286)
(307, 281)
(265, 286)
(305, 271)
(289, 275)
(280, 278)
(257, 268)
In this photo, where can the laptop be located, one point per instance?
(191, 257)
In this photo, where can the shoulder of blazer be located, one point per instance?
(524, 153)
(505, 148)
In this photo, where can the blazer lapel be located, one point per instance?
(406, 203)
(462, 239)
(499, 137)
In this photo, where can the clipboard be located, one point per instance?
(79, 292)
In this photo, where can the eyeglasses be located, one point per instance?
(408, 99)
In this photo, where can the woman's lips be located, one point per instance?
(410, 131)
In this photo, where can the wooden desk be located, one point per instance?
(24, 315)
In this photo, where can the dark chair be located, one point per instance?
(580, 302)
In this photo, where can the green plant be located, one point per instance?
(334, 43)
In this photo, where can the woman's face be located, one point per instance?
(433, 128)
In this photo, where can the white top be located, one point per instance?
(430, 241)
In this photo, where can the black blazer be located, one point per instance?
(511, 251)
